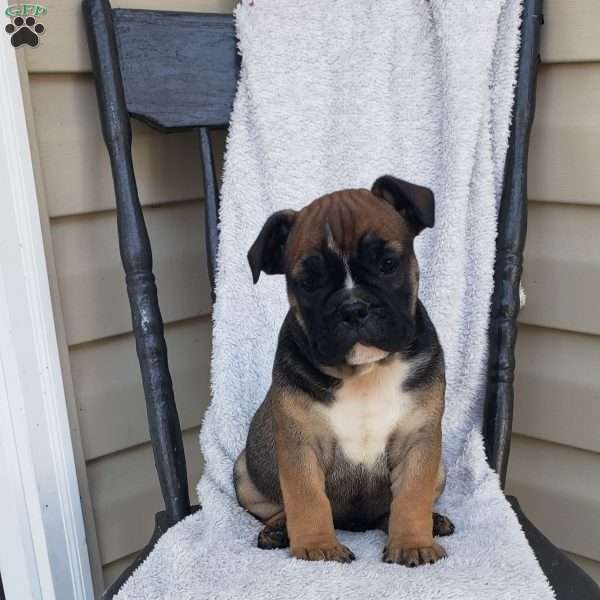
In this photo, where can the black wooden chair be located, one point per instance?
(177, 71)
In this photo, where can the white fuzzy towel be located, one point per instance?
(334, 93)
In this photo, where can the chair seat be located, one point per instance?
(568, 580)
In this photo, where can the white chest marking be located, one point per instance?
(367, 409)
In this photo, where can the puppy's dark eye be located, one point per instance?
(309, 283)
(388, 265)
(312, 275)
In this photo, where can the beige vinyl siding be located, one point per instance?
(558, 388)
(555, 463)
(90, 275)
(564, 144)
(554, 467)
(562, 267)
(571, 31)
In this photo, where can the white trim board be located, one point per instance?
(43, 552)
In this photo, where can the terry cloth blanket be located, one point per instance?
(334, 93)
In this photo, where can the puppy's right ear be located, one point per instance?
(267, 252)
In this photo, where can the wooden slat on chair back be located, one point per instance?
(179, 70)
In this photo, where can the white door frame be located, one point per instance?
(43, 551)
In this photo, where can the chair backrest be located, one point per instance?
(178, 71)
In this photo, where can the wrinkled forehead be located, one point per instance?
(340, 220)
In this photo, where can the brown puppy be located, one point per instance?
(349, 435)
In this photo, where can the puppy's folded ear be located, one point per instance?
(414, 202)
(267, 252)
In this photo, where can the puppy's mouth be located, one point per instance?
(360, 354)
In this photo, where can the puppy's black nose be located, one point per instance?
(353, 311)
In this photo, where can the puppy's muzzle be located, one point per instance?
(354, 312)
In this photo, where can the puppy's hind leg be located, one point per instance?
(274, 534)
(442, 525)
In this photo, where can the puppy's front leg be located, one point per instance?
(307, 508)
(414, 477)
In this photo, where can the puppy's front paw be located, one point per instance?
(323, 551)
(413, 557)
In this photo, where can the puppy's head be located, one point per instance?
(351, 271)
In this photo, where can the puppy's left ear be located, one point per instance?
(414, 202)
(267, 252)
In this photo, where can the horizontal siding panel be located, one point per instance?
(558, 387)
(112, 571)
(565, 140)
(90, 275)
(108, 388)
(591, 567)
(559, 488)
(64, 45)
(126, 496)
(75, 163)
(562, 267)
(570, 31)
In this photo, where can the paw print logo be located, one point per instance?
(24, 31)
